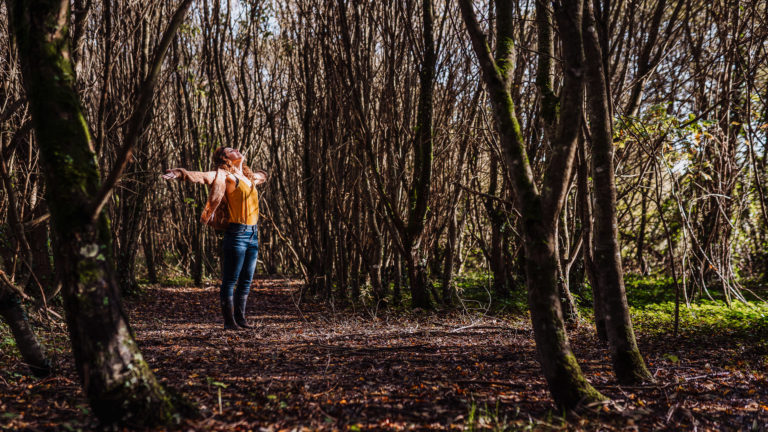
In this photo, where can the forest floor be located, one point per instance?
(309, 367)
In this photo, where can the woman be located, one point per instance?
(233, 206)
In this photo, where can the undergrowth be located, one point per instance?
(652, 303)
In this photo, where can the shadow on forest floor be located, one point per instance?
(310, 367)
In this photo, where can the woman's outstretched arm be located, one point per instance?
(205, 177)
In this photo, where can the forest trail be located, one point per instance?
(308, 368)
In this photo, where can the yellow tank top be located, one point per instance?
(243, 204)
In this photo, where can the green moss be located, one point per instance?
(630, 367)
(570, 389)
(89, 273)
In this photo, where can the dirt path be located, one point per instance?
(312, 368)
(318, 369)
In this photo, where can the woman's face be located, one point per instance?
(233, 154)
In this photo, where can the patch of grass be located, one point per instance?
(503, 419)
(740, 319)
(177, 281)
(643, 291)
(477, 288)
(652, 304)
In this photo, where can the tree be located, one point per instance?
(118, 382)
(628, 363)
(540, 210)
(12, 311)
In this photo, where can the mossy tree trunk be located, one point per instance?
(540, 210)
(118, 382)
(567, 384)
(628, 364)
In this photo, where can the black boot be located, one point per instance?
(240, 302)
(227, 309)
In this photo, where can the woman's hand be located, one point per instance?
(201, 177)
(260, 176)
(173, 174)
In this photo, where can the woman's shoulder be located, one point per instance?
(228, 176)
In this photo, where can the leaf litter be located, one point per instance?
(313, 367)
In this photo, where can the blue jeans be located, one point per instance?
(239, 250)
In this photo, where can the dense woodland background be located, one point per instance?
(304, 89)
(391, 183)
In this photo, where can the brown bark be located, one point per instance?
(117, 381)
(628, 364)
(588, 252)
(539, 211)
(14, 314)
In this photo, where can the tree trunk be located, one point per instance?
(585, 202)
(357, 273)
(566, 382)
(147, 242)
(567, 304)
(497, 219)
(13, 313)
(131, 215)
(540, 211)
(642, 265)
(118, 382)
(450, 258)
(21, 248)
(133, 200)
(396, 290)
(198, 255)
(628, 364)
(418, 198)
(309, 180)
(417, 279)
(502, 285)
(41, 255)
